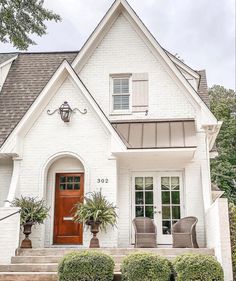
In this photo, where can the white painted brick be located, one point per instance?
(218, 235)
(123, 51)
(6, 167)
(9, 234)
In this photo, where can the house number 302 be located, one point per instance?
(102, 180)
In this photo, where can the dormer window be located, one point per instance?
(121, 92)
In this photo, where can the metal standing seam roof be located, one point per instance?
(157, 134)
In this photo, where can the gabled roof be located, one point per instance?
(27, 77)
(122, 6)
(64, 70)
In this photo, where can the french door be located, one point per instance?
(158, 195)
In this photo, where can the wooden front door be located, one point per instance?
(69, 191)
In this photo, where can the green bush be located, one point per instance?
(86, 266)
(191, 267)
(145, 267)
(232, 217)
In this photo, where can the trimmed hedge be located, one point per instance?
(191, 267)
(145, 267)
(86, 266)
(232, 218)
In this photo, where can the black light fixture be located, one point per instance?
(65, 111)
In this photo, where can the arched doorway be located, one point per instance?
(65, 187)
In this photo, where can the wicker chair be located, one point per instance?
(145, 233)
(184, 233)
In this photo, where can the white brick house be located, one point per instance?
(145, 140)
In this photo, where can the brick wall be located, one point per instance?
(9, 234)
(85, 137)
(218, 235)
(123, 51)
(6, 167)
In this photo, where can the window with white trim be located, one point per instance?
(121, 93)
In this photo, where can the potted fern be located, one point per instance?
(97, 212)
(32, 211)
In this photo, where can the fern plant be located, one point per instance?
(96, 208)
(32, 210)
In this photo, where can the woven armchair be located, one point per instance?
(145, 233)
(184, 233)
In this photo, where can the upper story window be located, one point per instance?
(121, 93)
(128, 93)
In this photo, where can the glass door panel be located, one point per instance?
(169, 204)
(144, 197)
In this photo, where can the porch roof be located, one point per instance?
(151, 134)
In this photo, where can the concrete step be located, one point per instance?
(28, 276)
(29, 267)
(112, 251)
(38, 276)
(49, 259)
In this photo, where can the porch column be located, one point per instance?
(205, 169)
(14, 181)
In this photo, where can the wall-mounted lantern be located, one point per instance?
(65, 111)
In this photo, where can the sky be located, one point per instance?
(201, 32)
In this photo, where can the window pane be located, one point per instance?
(176, 212)
(139, 211)
(165, 197)
(175, 183)
(175, 197)
(70, 186)
(165, 183)
(149, 183)
(69, 179)
(77, 179)
(166, 212)
(139, 198)
(77, 186)
(149, 197)
(62, 179)
(139, 183)
(121, 102)
(62, 186)
(166, 227)
(149, 212)
(121, 86)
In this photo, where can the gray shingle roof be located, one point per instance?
(203, 89)
(27, 76)
(6, 56)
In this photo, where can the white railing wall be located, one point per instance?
(218, 235)
(9, 234)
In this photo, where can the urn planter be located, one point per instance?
(26, 243)
(94, 228)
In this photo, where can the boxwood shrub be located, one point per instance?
(145, 267)
(86, 266)
(191, 267)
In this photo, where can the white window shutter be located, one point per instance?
(140, 92)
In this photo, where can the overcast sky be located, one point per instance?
(202, 32)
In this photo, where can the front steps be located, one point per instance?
(41, 264)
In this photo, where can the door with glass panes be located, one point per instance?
(158, 196)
